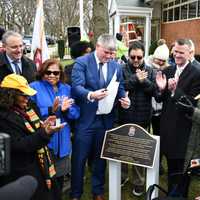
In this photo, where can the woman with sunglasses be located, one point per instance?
(54, 97)
(29, 137)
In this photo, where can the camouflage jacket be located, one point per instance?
(193, 147)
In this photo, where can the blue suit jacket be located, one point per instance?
(85, 79)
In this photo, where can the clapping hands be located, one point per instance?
(141, 75)
(64, 102)
(172, 83)
(50, 125)
(161, 80)
(55, 104)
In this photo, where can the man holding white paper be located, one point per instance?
(92, 78)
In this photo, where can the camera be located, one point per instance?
(4, 154)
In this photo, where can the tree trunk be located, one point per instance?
(100, 18)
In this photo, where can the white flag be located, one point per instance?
(39, 49)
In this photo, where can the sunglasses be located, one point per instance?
(134, 57)
(55, 73)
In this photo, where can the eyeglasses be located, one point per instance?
(55, 73)
(134, 57)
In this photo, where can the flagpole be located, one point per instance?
(81, 17)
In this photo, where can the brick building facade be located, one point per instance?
(183, 29)
(178, 19)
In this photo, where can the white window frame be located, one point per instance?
(178, 5)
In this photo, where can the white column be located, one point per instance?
(114, 180)
(111, 31)
(152, 176)
(81, 16)
(117, 24)
(147, 34)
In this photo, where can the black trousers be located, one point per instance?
(155, 122)
(178, 182)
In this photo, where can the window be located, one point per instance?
(184, 12)
(176, 13)
(192, 10)
(165, 16)
(198, 11)
(177, 2)
(175, 10)
(165, 5)
(170, 15)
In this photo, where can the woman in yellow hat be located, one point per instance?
(29, 137)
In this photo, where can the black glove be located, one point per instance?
(185, 105)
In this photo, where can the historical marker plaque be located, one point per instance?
(129, 143)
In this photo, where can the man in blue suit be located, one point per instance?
(88, 88)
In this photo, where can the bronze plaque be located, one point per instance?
(131, 144)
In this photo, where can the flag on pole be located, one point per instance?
(39, 49)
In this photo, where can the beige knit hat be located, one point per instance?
(161, 52)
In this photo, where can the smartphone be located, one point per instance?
(58, 121)
(59, 124)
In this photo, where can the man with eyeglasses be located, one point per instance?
(140, 83)
(91, 75)
(12, 59)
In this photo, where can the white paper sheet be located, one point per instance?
(105, 105)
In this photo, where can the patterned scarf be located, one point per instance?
(32, 123)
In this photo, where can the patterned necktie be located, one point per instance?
(17, 69)
(102, 82)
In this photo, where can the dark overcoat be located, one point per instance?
(28, 68)
(175, 125)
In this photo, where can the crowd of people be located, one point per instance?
(54, 117)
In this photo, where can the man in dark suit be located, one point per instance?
(182, 79)
(12, 59)
(88, 88)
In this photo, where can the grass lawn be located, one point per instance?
(127, 189)
(66, 62)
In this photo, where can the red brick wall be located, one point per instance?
(184, 29)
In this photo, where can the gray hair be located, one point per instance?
(7, 34)
(192, 47)
(184, 41)
(107, 41)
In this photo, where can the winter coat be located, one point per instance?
(28, 68)
(44, 98)
(193, 147)
(24, 146)
(140, 95)
(175, 126)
